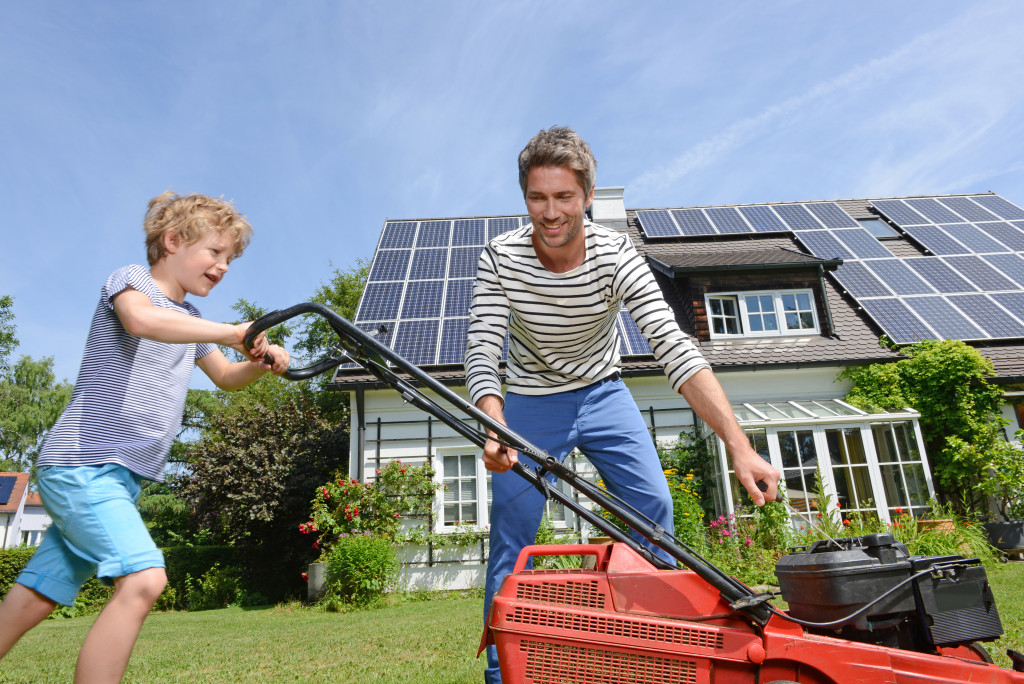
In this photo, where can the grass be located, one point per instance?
(429, 642)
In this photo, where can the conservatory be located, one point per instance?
(870, 463)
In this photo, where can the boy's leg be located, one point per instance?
(21, 610)
(108, 646)
(616, 440)
(517, 506)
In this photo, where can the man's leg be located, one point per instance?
(616, 440)
(517, 506)
(108, 646)
(21, 610)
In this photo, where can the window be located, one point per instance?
(903, 474)
(755, 314)
(879, 228)
(460, 496)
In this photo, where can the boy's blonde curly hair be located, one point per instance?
(191, 217)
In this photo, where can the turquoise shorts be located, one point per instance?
(96, 528)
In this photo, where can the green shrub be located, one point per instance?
(687, 509)
(12, 562)
(219, 587)
(90, 600)
(546, 535)
(360, 568)
(184, 562)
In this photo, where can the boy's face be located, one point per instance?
(199, 266)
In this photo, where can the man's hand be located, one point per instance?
(750, 469)
(497, 457)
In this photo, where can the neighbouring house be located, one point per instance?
(13, 492)
(34, 520)
(780, 297)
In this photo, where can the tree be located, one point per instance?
(8, 341)
(946, 380)
(250, 478)
(31, 401)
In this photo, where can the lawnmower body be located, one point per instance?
(626, 621)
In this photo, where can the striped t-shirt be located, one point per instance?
(562, 332)
(128, 400)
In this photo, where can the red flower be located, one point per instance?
(845, 521)
(899, 511)
(305, 578)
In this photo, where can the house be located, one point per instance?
(13, 492)
(779, 297)
(23, 520)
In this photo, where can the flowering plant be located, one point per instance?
(346, 506)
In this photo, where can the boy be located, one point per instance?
(117, 430)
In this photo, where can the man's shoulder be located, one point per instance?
(513, 240)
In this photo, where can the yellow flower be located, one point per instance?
(689, 476)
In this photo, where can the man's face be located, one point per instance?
(556, 203)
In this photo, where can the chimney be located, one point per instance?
(608, 208)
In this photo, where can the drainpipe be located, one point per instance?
(361, 432)
(824, 300)
(7, 526)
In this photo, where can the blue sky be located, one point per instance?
(323, 119)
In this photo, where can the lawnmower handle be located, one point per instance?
(279, 316)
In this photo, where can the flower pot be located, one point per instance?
(1006, 535)
(317, 582)
(940, 525)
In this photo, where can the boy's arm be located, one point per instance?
(230, 376)
(141, 319)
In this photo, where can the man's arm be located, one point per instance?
(497, 457)
(705, 395)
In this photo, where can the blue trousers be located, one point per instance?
(603, 422)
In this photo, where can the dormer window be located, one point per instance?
(762, 313)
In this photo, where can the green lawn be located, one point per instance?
(424, 642)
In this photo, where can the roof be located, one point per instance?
(33, 499)
(18, 483)
(872, 286)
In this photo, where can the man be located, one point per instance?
(556, 286)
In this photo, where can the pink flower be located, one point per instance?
(305, 578)
(748, 541)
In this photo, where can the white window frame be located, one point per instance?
(481, 487)
(739, 300)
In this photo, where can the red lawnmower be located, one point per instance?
(861, 609)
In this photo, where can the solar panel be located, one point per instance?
(968, 209)
(1006, 233)
(422, 299)
(398, 234)
(693, 222)
(933, 211)
(416, 341)
(974, 238)
(497, 226)
(1011, 301)
(389, 264)
(7, 483)
(821, 243)
(797, 217)
(1010, 265)
(631, 336)
(898, 322)
(458, 297)
(463, 262)
(453, 340)
(863, 244)
(900, 213)
(939, 275)
(763, 220)
(980, 273)
(899, 277)
(657, 223)
(936, 240)
(832, 215)
(990, 316)
(434, 234)
(380, 301)
(727, 220)
(999, 206)
(859, 281)
(469, 232)
(428, 264)
(949, 323)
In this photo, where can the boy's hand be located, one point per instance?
(260, 345)
(278, 359)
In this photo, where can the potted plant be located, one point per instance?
(1002, 481)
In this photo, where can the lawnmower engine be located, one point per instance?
(931, 603)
